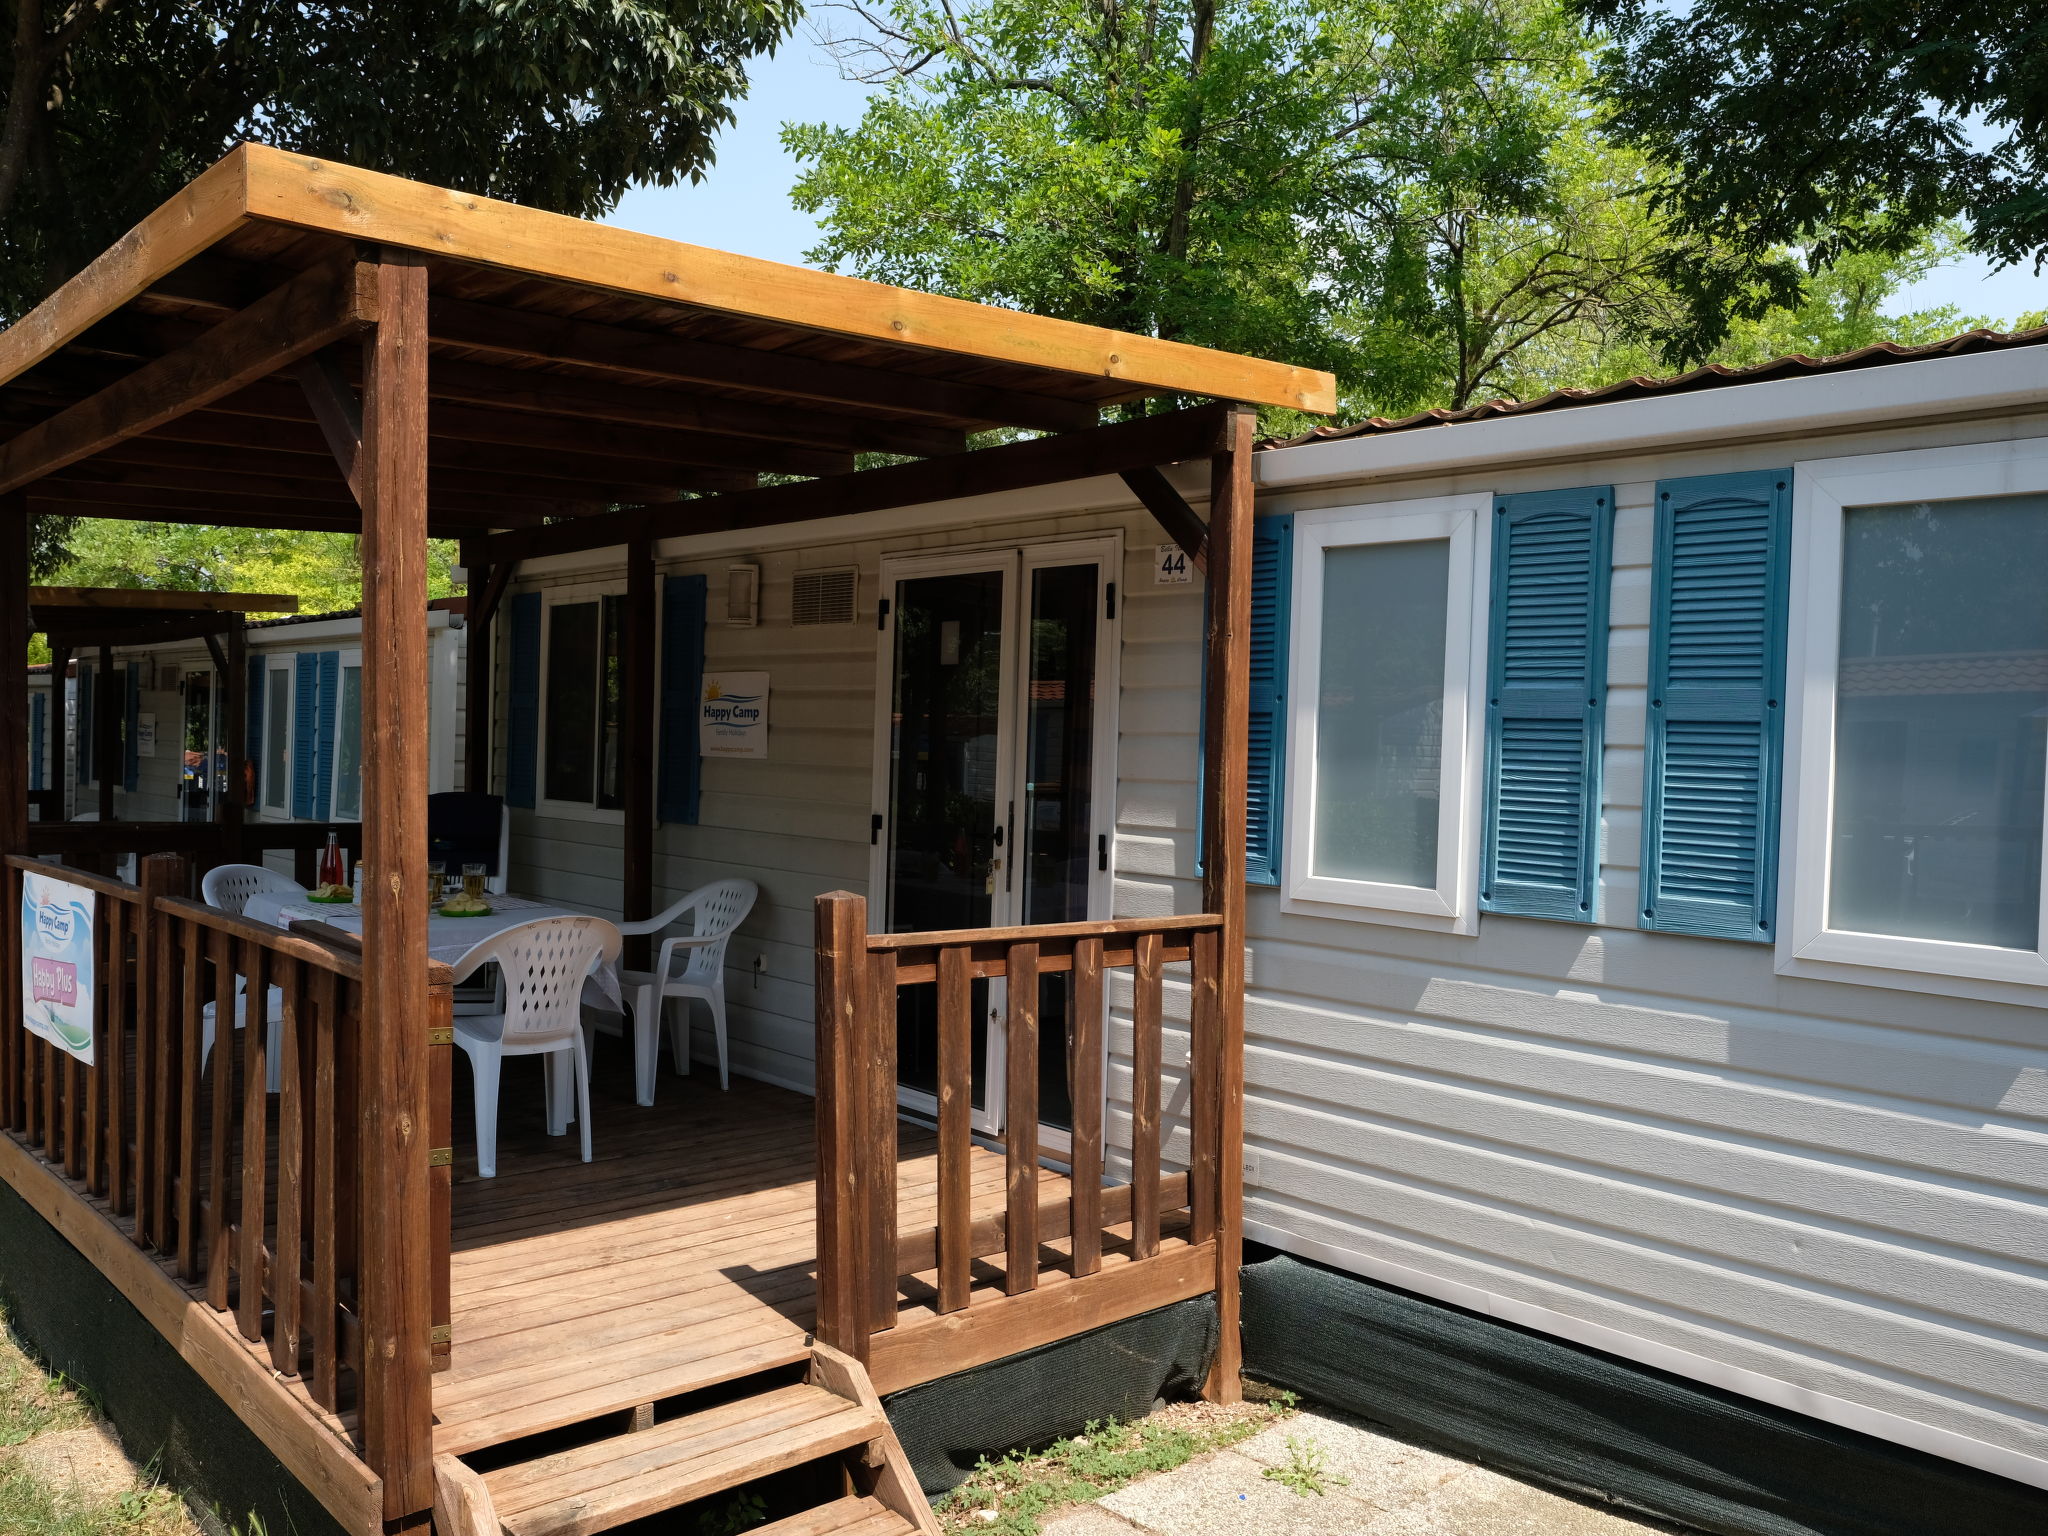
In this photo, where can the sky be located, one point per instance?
(743, 202)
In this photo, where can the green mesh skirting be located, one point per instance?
(1027, 1401)
(1577, 1419)
(167, 1417)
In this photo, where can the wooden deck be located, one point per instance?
(682, 1256)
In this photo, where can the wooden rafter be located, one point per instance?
(1150, 440)
(304, 315)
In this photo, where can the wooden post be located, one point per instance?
(234, 728)
(15, 526)
(394, 1230)
(476, 661)
(1225, 790)
(843, 1300)
(636, 747)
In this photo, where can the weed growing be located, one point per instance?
(1008, 1497)
(1306, 1472)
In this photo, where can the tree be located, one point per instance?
(112, 105)
(1827, 128)
(1410, 193)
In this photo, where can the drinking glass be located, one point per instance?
(437, 881)
(473, 881)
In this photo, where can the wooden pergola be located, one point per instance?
(297, 344)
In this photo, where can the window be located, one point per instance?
(1920, 714)
(1384, 730)
(277, 738)
(581, 692)
(348, 745)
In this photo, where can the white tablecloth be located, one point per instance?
(449, 939)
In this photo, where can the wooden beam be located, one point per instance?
(335, 407)
(102, 479)
(1150, 440)
(394, 1280)
(460, 226)
(444, 524)
(548, 394)
(150, 598)
(72, 498)
(1225, 790)
(305, 314)
(529, 336)
(636, 747)
(81, 636)
(1171, 512)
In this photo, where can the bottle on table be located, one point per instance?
(333, 867)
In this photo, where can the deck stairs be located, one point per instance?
(831, 1418)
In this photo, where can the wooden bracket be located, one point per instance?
(1172, 512)
(338, 411)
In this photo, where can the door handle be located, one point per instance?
(1102, 850)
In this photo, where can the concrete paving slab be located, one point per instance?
(1383, 1470)
(1481, 1502)
(1085, 1520)
(1226, 1494)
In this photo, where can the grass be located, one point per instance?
(1306, 1472)
(35, 1403)
(1010, 1496)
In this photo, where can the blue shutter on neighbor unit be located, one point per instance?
(131, 732)
(37, 707)
(326, 710)
(1716, 726)
(1266, 742)
(522, 699)
(680, 771)
(1546, 688)
(83, 733)
(305, 733)
(1266, 737)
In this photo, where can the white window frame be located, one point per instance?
(1450, 905)
(1822, 490)
(277, 666)
(570, 810)
(349, 659)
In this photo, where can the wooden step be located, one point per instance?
(595, 1487)
(851, 1516)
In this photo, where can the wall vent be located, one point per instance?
(823, 597)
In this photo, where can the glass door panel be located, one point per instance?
(946, 741)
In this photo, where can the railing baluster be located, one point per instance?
(326, 1221)
(285, 1252)
(223, 1062)
(1086, 1094)
(440, 1101)
(1020, 1118)
(73, 1138)
(956, 1128)
(1205, 1027)
(1146, 1030)
(255, 1128)
(106, 1024)
(879, 1145)
(191, 1028)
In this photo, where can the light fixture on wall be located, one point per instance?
(743, 595)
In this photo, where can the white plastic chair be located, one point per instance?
(227, 888)
(716, 910)
(543, 964)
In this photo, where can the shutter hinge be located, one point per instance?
(1109, 600)
(882, 613)
(442, 1036)
(441, 1157)
(441, 1333)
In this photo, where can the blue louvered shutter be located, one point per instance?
(131, 731)
(326, 712)
(37, 706)
(1266, 742)
(680, 773)
(305, 733)
(1545, 702)
(522, 699)
(252, 733)
(83, 734)
(1716, 722)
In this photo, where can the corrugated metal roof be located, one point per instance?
(1712, 376)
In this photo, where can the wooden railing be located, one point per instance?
(259, 1197)
(96, 846)
(870, 1259)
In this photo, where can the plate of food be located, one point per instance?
(460, 905)
(332, 895)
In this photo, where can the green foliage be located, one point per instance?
(560, 103)
(1022, 1487)
(1825, 128)
(739, 1511)
(1305, 1473)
